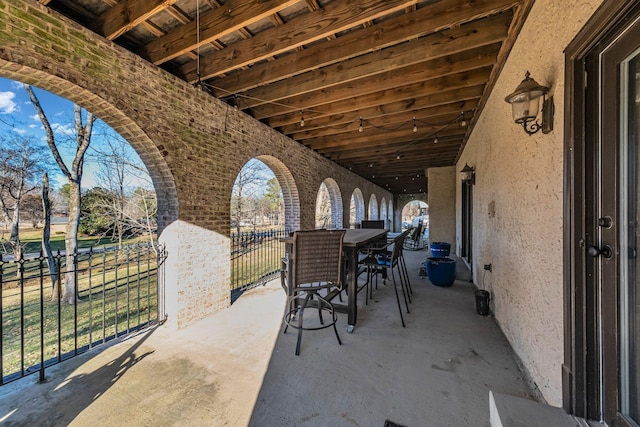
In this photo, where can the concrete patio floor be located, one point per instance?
(237, 368)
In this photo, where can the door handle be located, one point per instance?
(606, 251)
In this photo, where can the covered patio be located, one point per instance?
(238, 368)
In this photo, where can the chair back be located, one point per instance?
(317, 256)
(417, 232)
(373, 223)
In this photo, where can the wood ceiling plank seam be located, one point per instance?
(427, 20)
(364, 152)
(214, 25)
(127, 14)
(371, 137)
(333, 18)
(437, 84)
(386, 62)
(430, 115)
(391, 106)
(434, 115)
(373, 155)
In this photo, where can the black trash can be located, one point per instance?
(482, 302)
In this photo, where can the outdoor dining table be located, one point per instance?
(354, 241)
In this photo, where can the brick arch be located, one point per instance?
(335, 196)
(161, 176)
(373, 207)
(359, 204)
(289, 191)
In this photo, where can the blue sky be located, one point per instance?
(18, 116)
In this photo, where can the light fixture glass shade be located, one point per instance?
(525, 100)
(466, 174)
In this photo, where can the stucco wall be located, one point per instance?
(442, 204)
(193, 145)
(517, 204)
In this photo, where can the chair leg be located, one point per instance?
(406, 272)
(300, 319)
(334, 318)
(404, 279)
(393, 278)
(404, 293)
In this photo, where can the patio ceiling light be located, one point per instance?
(525, 103)
(468, 175)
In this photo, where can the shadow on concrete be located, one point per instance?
(77, 391)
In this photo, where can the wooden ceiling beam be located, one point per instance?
(395, 147)
(404, 118)
(429, 19)
(403, 123)
(355, 103)
(393, 107)
(383, 160)
(127, 14)
(392, 61)
(439, 68)
(214, 24)
(333, 18)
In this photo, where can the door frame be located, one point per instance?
(466, 247)
(580, 396)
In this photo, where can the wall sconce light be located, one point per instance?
(525, 103)
(468, 175)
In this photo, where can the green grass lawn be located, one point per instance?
(255, 262)
(31, 238)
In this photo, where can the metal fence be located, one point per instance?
(255, 258)
(116, 292)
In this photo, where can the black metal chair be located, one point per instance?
(312, 276)
(393, 261)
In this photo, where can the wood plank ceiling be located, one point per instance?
(386, 88)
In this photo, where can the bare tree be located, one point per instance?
(21, 161)
(323, 208)
(130, 200)
(32, 207)
(46, 236)
(83, 132)
(249, 182)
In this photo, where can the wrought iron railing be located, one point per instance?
(116, 292)
(255, 258)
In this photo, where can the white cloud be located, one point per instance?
(67, 129)
(16, 84)
(35, 117)
(20, 131)
(7, 106)
(32, 126)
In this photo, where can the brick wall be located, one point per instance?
(192, 144)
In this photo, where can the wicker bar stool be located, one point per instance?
(313, 273)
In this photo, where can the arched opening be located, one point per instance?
(119, 212)
(373, 207)
(390, 215)
(329, 205)
(356, 208)
(413, 212)
(289, 191)
(261, 214)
